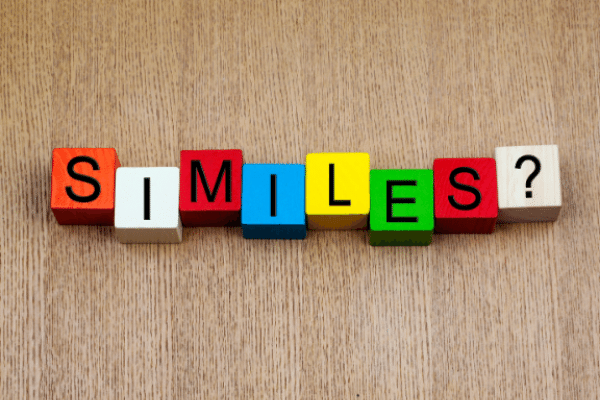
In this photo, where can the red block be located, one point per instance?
(210, 191)
(466, 195)
(83, 186)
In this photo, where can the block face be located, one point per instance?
(211, 187)
(147, 205)
(401, 207)
(523, 194)
(83, 186)
(337, 190)
(273, 201)
(466, 195)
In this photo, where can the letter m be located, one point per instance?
(211, 195)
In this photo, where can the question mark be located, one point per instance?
(536, 171)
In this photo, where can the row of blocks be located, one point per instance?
(401, 207)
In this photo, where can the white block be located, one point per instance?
(139, 221)
(543, 202)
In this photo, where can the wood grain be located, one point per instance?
(512, 315)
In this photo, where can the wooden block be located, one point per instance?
(211, 187)
(83, 186)
(273, 201)
(401, 207)
(147, 205)
(466, 195)
(337, 190)
(528, 183)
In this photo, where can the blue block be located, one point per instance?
(277, 213)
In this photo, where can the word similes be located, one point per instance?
(400, 207)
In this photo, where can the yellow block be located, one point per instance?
(347, 205)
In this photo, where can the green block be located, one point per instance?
(401, 207)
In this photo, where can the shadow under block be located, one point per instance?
(273, 201)
(528, 183)
(211, 187)
(401, 207)
(337, 190)
(83, 186)
(147, 205)
(466, 195)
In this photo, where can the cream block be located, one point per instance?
(528, 183)
(147, 205)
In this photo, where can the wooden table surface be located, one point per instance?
(513, 315)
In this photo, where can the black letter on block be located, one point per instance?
(273, 195)
(225, 170)
(399, 200)
(83, 178)
(146, 199)
(332, 200)
(466, 188)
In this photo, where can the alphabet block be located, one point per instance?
(147, 205)
(337, 190)
(273, 201)
(528, 183)
(83, 186)
(466, 195)
(401, 207)
(211, 187)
